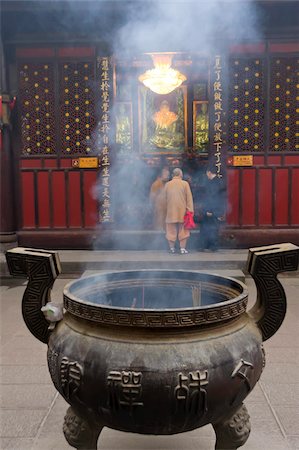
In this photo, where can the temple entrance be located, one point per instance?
(55, 104)
(156, 131)
(137, 193)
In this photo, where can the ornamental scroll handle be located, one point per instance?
(263, 264)
(41, 267)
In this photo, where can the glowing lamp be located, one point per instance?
(162, 79)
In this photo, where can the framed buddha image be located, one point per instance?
(200, 126)
(163, 121)
(122, 85)
(123, 127)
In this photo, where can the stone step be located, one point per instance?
(78, 261)
(75, 262)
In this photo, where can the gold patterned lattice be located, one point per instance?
(36, 84)
(284, 104)
(77, 110)
(246, 105)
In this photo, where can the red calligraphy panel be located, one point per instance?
(291, 160)
(43, 199)
(248, 48)
(28, 206)
(65, 162)
(295, 197)
(233, 180)
(258, 160)
(76, 52)
(58, 194)
(104, 126)
(274, 160)
(248, 197)
(90, 203)
(265, 197)
(34, 52)
(74, 200)
(281, 197)
(284, 47)
(30, 163)
(50, 163)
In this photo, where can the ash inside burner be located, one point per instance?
(152, 297)
(153, 290)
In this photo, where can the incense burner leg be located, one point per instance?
(80, 432)
(233, 431)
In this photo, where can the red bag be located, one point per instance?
(189, 221)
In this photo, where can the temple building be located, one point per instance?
(98, 97)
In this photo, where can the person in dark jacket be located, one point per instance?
(213, 210)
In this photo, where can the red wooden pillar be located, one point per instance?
(7, 198)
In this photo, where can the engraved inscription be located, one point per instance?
(125, 390)
(190, 395)
(243, 370)
(71, 374)
(53, 367)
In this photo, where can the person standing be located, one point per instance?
(213, 211)
(157, 199)
(179, 200)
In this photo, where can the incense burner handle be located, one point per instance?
(264, 263)
(41, 267)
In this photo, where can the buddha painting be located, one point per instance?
(163, 124)
(166, 136)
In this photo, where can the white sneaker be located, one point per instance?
(184, 251)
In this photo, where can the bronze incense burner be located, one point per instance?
(155, 352)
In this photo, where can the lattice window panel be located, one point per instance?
(284, 105)
(246, 105)
(36, 84)
(77, 111)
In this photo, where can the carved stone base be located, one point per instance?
(80, 433)
(233, 432)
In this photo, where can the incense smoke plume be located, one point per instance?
(186, 26)
(205, 28)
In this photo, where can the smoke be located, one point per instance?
(153, 290)
(202, 28)
(186, 26)
(128, 29)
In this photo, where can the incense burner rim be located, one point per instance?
(154, 317)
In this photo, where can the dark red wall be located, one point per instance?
(56, 197)
(265, 195)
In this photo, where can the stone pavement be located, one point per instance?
(32, 411)
(77, 261)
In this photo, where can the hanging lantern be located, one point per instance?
(162, 79)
